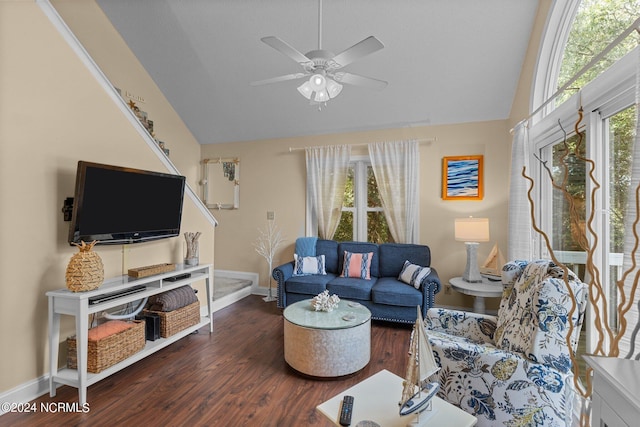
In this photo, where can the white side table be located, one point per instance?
(480, 291)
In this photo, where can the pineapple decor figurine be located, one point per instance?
(85, 270)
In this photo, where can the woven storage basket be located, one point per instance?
(172, 322)
(150, 270)
(110, 350)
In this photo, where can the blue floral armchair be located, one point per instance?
(513, 369)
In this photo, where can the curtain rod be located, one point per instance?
(635, 26)
(433, 139)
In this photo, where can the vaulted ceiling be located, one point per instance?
(446, 61)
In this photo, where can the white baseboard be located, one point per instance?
(25, 392)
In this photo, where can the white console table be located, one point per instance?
(76, 304)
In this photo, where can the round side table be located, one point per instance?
(480, 291)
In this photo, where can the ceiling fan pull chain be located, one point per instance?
(319, 24)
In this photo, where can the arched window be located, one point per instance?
(576, 32)
(597, 23)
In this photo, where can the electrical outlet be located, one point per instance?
(447, 290)
(271, 215)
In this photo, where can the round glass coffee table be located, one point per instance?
(327, 344)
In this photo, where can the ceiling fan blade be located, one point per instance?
(285, 48)
(279, 79)
(357, 51)
(357, 80)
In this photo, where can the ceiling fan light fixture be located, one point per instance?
(321, 96)
(318, 82)
(305, 90)
(333, 88)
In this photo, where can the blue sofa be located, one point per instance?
(387, 298)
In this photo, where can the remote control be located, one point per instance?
(346, 411)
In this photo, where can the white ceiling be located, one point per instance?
(446, 61)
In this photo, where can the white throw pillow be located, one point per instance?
(413, 274)
(308, 265)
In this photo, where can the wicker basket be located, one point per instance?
(150, 270)
(172, 322)
(110, 350)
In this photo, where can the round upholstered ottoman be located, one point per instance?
(327, 344)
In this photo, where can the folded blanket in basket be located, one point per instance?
(108, 328)
(172, 300)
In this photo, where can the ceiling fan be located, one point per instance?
(323, 67)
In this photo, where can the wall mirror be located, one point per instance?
(221, 183)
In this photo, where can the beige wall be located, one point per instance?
(96, 34)
(521, 106)
(274, 179)
(52, 114)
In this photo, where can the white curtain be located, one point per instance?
(327, 169)
(395, 166)
(520, 226)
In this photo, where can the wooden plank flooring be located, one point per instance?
(236, 376)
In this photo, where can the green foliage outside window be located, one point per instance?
(597, 24)
(377, 228)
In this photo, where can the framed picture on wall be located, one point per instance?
(462, 178)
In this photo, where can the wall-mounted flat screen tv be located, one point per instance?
(118, 205)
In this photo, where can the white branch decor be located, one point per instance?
(324, 302)
(266, 245)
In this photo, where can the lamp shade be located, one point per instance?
(333, 88)
(472, 229)
(305, 89)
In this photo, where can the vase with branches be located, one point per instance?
(267, 243)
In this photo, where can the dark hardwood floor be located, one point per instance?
(236, 376)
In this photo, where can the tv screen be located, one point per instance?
(117, 205)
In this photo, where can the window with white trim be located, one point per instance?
(362, 217)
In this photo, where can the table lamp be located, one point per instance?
(471, 231)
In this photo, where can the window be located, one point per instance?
(596, 25)
(608, 133)
(362, 213)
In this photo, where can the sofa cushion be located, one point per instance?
(393, 255)
(351, 288)
(328, 248)
(413, 274)
(389, 291)
(308, 285)
(361, 247)
(357, 265)
(308, 265)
